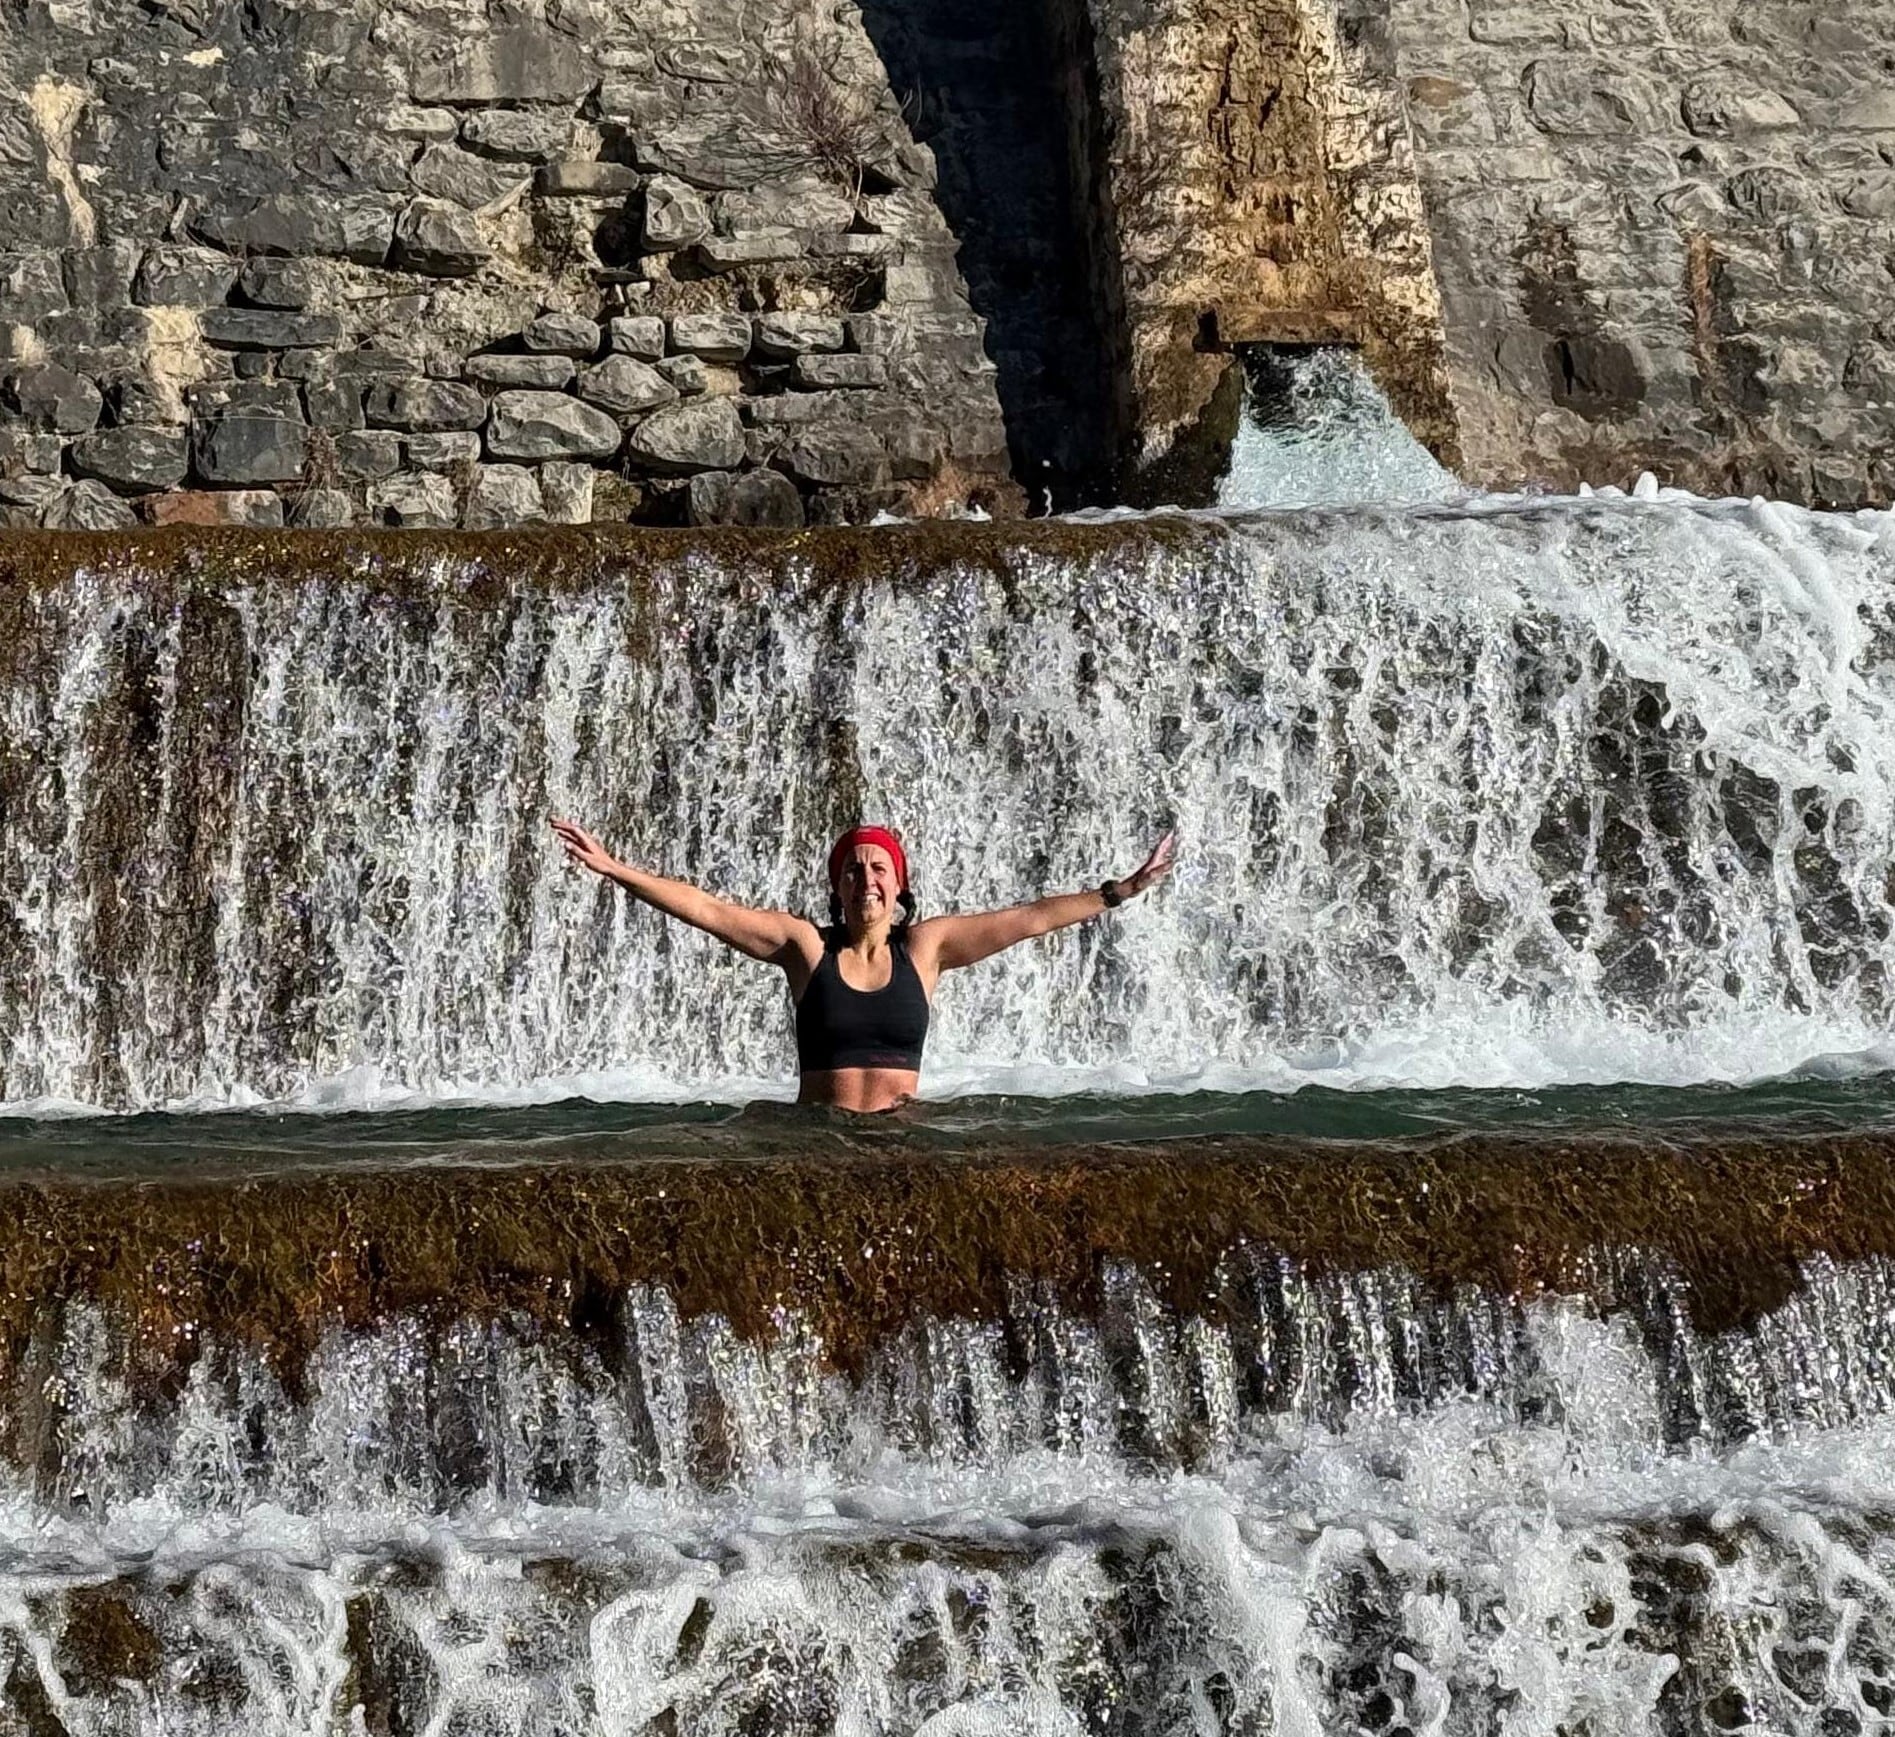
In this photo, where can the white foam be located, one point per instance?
(1406, 857)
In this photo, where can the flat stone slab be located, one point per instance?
(827, 373)
(269, 329)
(425, 406)
(717, 337)
(563, 335)
(836, 455)
(134, 460)
(546, 373)
(792, 334)
(585, 180)
(528, 63)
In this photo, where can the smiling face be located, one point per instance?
(868, 886)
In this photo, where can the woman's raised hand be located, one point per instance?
(582, 848)
(1154, 868)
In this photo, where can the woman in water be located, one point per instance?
(861, 986)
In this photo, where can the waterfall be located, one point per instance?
(1346, 1504)
(1316, 431)
(504, 1423)
(1502, 793)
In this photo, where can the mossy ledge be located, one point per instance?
(867, 1244)
(488, 565)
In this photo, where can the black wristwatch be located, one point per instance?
(1109, 891)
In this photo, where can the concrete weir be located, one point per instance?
(868, 1235)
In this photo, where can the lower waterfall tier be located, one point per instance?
(552, 1331)
(1221, 1436)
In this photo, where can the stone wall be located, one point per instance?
(496, 261)
(1258, 188)
(1664, 232)
(413, 263)
(1573, 238)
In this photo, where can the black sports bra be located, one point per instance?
(840, 1027)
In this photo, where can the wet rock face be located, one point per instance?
(230, 237)
(1659, 238)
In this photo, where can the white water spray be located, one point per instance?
(1517, 794)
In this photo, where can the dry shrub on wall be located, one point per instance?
(815, 116)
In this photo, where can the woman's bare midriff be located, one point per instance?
(859, 1088)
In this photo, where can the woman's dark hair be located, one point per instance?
(905, 899)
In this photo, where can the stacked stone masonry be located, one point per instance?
(1575, 239)
(483, 262)
(331, 262)
(1258, 188)
(1664, 233)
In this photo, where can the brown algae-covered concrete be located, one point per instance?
(868, 1242)
(488, 564)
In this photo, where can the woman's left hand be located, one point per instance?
(1154, 868)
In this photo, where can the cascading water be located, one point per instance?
(1350, 1505)
(1317, 432)
(1512, 794)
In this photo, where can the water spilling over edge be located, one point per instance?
(1517, 794)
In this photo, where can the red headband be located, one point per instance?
(877, 835)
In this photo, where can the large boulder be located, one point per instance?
(702, 435)
(539, 425)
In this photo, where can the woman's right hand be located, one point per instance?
(582, 848)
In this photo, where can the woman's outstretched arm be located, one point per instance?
(950, 942)
(768, 935)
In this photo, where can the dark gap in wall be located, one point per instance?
(1002, 91)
